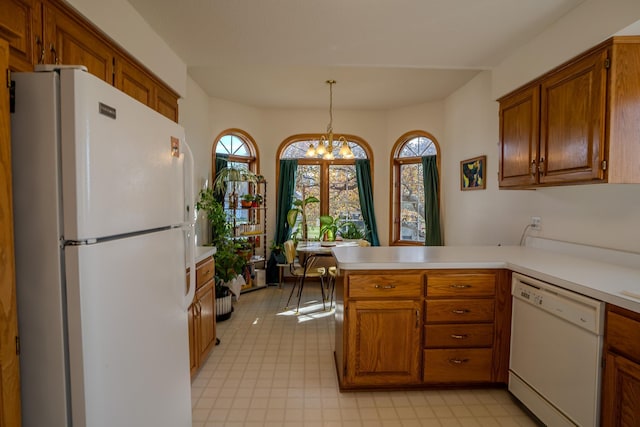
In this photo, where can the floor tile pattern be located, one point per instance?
(275, 368)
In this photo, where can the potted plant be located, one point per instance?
(257, 200)
(246, 200)
(220, 227)
(351, 231)
(300, 206)
(234, 175)
(328, 228)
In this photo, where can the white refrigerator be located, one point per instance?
(104, 229)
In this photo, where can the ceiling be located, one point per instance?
(383, 53)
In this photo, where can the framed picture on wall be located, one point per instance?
(472, 173)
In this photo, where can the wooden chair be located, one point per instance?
(332, 273)
(302, 272)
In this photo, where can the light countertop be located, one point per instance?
(607, 282)
(203, 252)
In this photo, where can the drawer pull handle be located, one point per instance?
(458, 361)
(385, 287)
(459, 337)
(459, 286)
(463, 311)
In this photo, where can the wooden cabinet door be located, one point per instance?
(71, 42)
(384, 342)
(135, 82)
(9, 362)
(192, 315)
(167, 103)
(573, 116)
(206, 320)
(519, 136)
(621, 392)
(21, 26)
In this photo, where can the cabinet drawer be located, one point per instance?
(385, 286)
(460, 284)
(460, 335)
(460, 310)
(623, 334)
(204, 272)
(457, 365)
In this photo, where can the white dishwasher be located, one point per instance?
(556, 350)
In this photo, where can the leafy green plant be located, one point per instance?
(299, 208)
(350, 230)
(234, 175)
(220, 228)
(328, 227)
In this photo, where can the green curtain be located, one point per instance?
(365, 192)
(286, 187)
(221, 163)
(433, 237)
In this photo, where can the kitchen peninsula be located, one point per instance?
(416, 317)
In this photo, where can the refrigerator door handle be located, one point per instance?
(188, 231)
(189, 227)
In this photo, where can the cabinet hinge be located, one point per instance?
(18, 346)
(8, 78)
(607, 63)
(604, 165)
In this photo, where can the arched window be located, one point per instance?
(408, 198)
(333, 182)
(236, 147)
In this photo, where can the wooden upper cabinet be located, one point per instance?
(577, 123)
(519, 136)
(21, 26)
(134, 81)
(572, 122)
(167, 103)
(68, 41)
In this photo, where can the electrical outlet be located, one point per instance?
(536, 223)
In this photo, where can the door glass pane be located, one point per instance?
(344, 202)
(308, 184)
(412, 225)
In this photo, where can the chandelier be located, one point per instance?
(325, 144)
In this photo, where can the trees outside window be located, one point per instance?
(332, 181)
(408, 207)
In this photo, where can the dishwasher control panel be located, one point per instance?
(574, 308)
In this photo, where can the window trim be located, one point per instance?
(254, 159)
(394, 194)
(324, 164)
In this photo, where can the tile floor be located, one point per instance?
(273, 368)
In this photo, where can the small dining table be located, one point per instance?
(310, 250)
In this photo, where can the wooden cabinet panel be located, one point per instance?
(460, 335)
(204, 272)
(167, 103)
(9, 360)
(621, 393)
(519, 136)
(21, 26)
(457, 365)
(384, 346)
(460, 310)
(135, 82)
(193, 340)
(70, 42)
(573, 108)
(621, 376)
(386, 286)
(457, 285)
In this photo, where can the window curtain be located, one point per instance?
(221, 162)
(286, 187)
(365, 192)
(433, 237)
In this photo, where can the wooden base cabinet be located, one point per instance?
(621, 376)
(202, 315)
(388, 335)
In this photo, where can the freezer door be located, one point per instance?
(122, 167)
(128, 334)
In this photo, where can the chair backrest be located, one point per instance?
(289, 251)
(363, 242)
